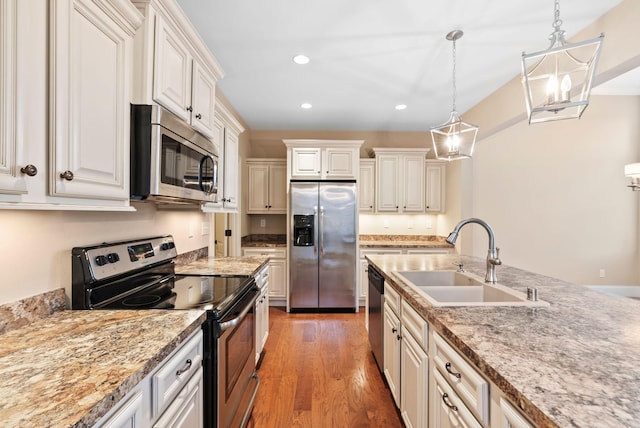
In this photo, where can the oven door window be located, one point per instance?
(185, 167)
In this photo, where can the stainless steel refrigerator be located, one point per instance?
(323, 245)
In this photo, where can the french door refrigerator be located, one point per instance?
(323, 245)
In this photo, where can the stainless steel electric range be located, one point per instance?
(139, 274)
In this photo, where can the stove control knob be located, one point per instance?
(113, 257)
(167, 246)
(101, 260)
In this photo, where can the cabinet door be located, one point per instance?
(449, 410)
(90, 93)
(414, 383)
(12, 181)
(364, 280)
(278, 189)
(230, 191)
(366, 186)
(387, 183)
(128, 414)
(434, 188)
(278, 278)
(391, 340)
(339, 163)
(172, 71)
(413, 183)
(306, 162)
(187, 409)
(258, 201)
(203, 96)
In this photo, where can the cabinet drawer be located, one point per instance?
(450, 410)
(472, 388)
(274, 253)
(415, 324)
(175, 373)
(511, 417)
(392, 298)
(364, 252)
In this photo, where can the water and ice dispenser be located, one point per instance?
(303, 230)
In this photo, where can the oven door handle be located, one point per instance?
(247, 412)
(226, 325)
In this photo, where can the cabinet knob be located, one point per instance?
(266, 206)
(371, 206)
(29, 170)
(67, 175)
(198, 116)
(269, 206)
(189, 109)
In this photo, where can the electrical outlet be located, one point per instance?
(205, 228)
(263, 222)
(192, 229)
(385, 224)
(410, 224)
(603, 273)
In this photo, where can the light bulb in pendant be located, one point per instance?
(552, 89)
(565, 88)
(453, 144)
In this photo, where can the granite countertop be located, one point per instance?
(575, 363)
(404, 241)
(70, 368)
(223, 266)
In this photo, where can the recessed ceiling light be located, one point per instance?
(401, 107)
(306, 106)
(301, 59)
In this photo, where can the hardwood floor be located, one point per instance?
(318, 371)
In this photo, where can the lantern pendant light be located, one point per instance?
(454, 139)
(557, 82)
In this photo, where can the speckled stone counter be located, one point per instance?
(403, 241)
(575, 363)
(264, 240)
(69, 369)
(236, 266)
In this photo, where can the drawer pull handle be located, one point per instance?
(184, 369)
(448, 367)
(449, 405)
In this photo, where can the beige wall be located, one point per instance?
(36, 246)
(556, 195)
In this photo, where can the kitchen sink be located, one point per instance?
(453, 288)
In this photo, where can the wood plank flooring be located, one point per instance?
(318, 371)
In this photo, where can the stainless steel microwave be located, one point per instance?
(170, 161)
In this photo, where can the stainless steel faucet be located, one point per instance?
(493, 256)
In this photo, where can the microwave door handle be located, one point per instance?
(208, 188)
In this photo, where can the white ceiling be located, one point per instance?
(369, 55)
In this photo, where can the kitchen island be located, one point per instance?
(574, 363)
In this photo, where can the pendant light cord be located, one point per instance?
(454, 75)
(557, 22)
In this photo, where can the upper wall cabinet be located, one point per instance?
(400, 180)
(173, 66)
(435, 172)
(366, 186)
(65, 145)
(226, 138)
(267, 186)
(323, 159)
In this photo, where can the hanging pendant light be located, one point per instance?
(557, 82)
(454, 139)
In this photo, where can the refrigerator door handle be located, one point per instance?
(315, 240)
(321, 230)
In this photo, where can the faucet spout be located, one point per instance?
(493, 254)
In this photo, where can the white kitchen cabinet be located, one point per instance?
(414, 382)
(463, 378)
(366, 186)
(65, 145)
(400, 180)
(227, 130)
(435, 173)
(174, 67)
(267, 186)
(391, 338)
(323, 159)
(277, 272)
(262, 311)
(449, 411)
(130, 412)
(170, 396)
(511, 417)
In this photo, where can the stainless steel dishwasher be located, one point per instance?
(376, 319)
